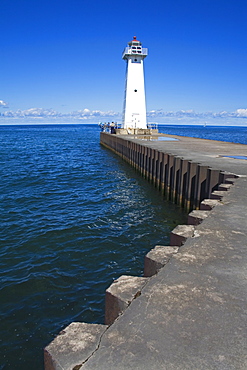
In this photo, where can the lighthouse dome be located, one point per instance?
(134, 42)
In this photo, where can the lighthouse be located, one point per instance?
(134, 112)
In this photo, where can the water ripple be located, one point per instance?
(74, 217)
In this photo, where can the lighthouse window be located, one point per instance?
(135, 60)
(138, 47)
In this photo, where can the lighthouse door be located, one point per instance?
(135, 120)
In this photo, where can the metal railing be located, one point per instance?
(109, 126)
(152, 125)
(129, 51)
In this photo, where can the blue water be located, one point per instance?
(74, 217)
(234, 134)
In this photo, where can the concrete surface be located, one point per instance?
(180, 234)
(157, 258)
(196, 217)
(208, 204)
(210, 153)
(192, 314)
(120, 294)
(74, 345)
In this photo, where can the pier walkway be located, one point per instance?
(192, 314)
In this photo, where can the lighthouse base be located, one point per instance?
(136, 131)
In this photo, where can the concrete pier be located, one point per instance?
(186, 170)
(189, 312)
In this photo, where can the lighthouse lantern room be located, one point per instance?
(134, 112)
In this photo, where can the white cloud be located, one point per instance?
(50, 113)
(93, 114)
(3, 104)
(32, 112)
(97, 115)
(180, 113)
(190, 113)
(241, 112)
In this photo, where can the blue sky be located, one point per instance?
(65, 56)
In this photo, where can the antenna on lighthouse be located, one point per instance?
(134, 112)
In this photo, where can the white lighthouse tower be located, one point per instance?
(134, 113)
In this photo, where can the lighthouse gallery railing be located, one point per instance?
(129, 51)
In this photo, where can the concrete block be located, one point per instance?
(73, 346)
(212, 180)
(208, 204)
(158, 258)
(120, 294)
(190, 189)
(180, 234)
(121, 131)
(228, 175)
(197, 216)
(139, 131)
(230, 181)
(217, 194)
(224, 187)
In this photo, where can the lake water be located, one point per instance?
(234, 134)
(74, 217)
